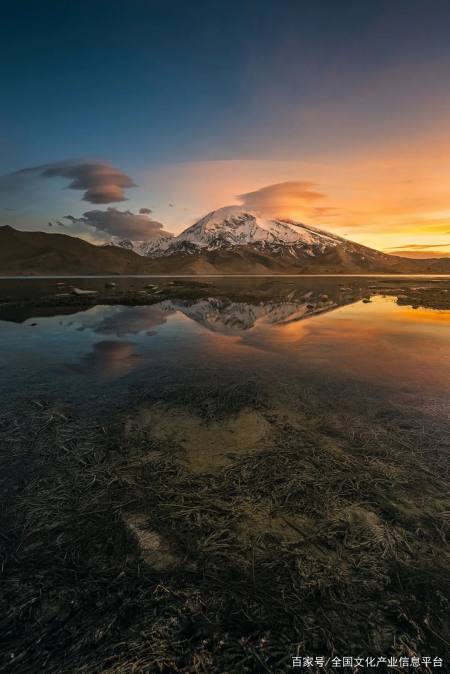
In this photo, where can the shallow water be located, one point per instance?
(269, 438)
(301, 333)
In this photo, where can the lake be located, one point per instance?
(242, 469)
(305, 329)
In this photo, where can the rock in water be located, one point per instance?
(80, 291)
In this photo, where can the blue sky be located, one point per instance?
(145, 85)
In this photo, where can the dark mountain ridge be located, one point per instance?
(40, 253)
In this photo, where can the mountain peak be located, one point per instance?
(237, 226)
(233, 225)
(226, 213)
(147, 248)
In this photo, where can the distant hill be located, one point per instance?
(39, 253)
(422, 254)
(227, 241)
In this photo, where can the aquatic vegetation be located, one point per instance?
(117, 556)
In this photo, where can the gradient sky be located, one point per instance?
(196, 103)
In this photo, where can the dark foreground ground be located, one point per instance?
(126, 548)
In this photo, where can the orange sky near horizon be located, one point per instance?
(386, 197)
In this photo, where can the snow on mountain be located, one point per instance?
(232, 226)
(281, 238)
(148, 248)
(232, 318)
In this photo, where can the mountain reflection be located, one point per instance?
(231, 318)
(108, 359)
(260, 325)
(219, 314)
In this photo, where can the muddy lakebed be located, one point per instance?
(218, 474)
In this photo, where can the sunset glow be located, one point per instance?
(342, 123)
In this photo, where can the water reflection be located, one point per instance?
(107, 360)
(298, 329)
(122, 321)
(232, 318)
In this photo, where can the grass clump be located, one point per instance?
(327, 538)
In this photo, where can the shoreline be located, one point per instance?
(194, 276)
(433, 293)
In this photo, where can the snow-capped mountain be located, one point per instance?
(232, 226)
(148, 248)
(43, 253)
(233, 240)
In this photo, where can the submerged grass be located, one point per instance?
(117, 558)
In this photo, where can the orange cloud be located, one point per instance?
(281, 198)
(419, 254)
(292, 199)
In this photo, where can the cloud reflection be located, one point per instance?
(108, 360)
(134, 320)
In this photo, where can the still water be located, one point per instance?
(223, 465)
(298, 333)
